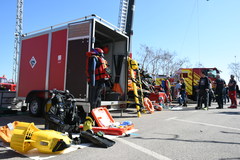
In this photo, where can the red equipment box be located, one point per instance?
(102, 117)
(105, 122)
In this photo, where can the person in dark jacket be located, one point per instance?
(238, 91)
(97, 75)
(203, 91)
(220, 85)
(225, 95)
(183, 92)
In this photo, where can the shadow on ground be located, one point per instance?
(6, 153)
(230, 113)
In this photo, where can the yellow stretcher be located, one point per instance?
(132, 66)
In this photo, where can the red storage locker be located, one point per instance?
(58, 60)
(33, 63)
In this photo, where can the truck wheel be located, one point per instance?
(24, 108)
(35, 107)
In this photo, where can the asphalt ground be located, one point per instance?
(183, 134)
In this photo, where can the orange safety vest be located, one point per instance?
(100, 70)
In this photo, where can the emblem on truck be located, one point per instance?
(33, 62)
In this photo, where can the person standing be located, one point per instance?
(168, 90)
(183, 92)
(96, 70)
(238, 91)
(220, 85)
(177, 92)
(211, 94)
(203, 91)
(232, 92)
(225, 95)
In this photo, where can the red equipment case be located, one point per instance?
(105, 121)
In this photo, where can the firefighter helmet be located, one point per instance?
(98, 51)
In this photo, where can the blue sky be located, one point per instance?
(203, 31)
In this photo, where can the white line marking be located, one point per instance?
(193, 111)
(170, 118)
(207, 124)
(144, 150)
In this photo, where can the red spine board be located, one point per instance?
(33, 78)
(109, 131)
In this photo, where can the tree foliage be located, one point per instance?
(235, 70)
(159, 62)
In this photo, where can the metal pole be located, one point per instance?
(129, 26)
(18, 33)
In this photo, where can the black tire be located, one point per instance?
(24, 108)
(35, 107)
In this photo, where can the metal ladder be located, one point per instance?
(123, 11)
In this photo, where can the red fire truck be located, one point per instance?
(192, 76)
(6, 84)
